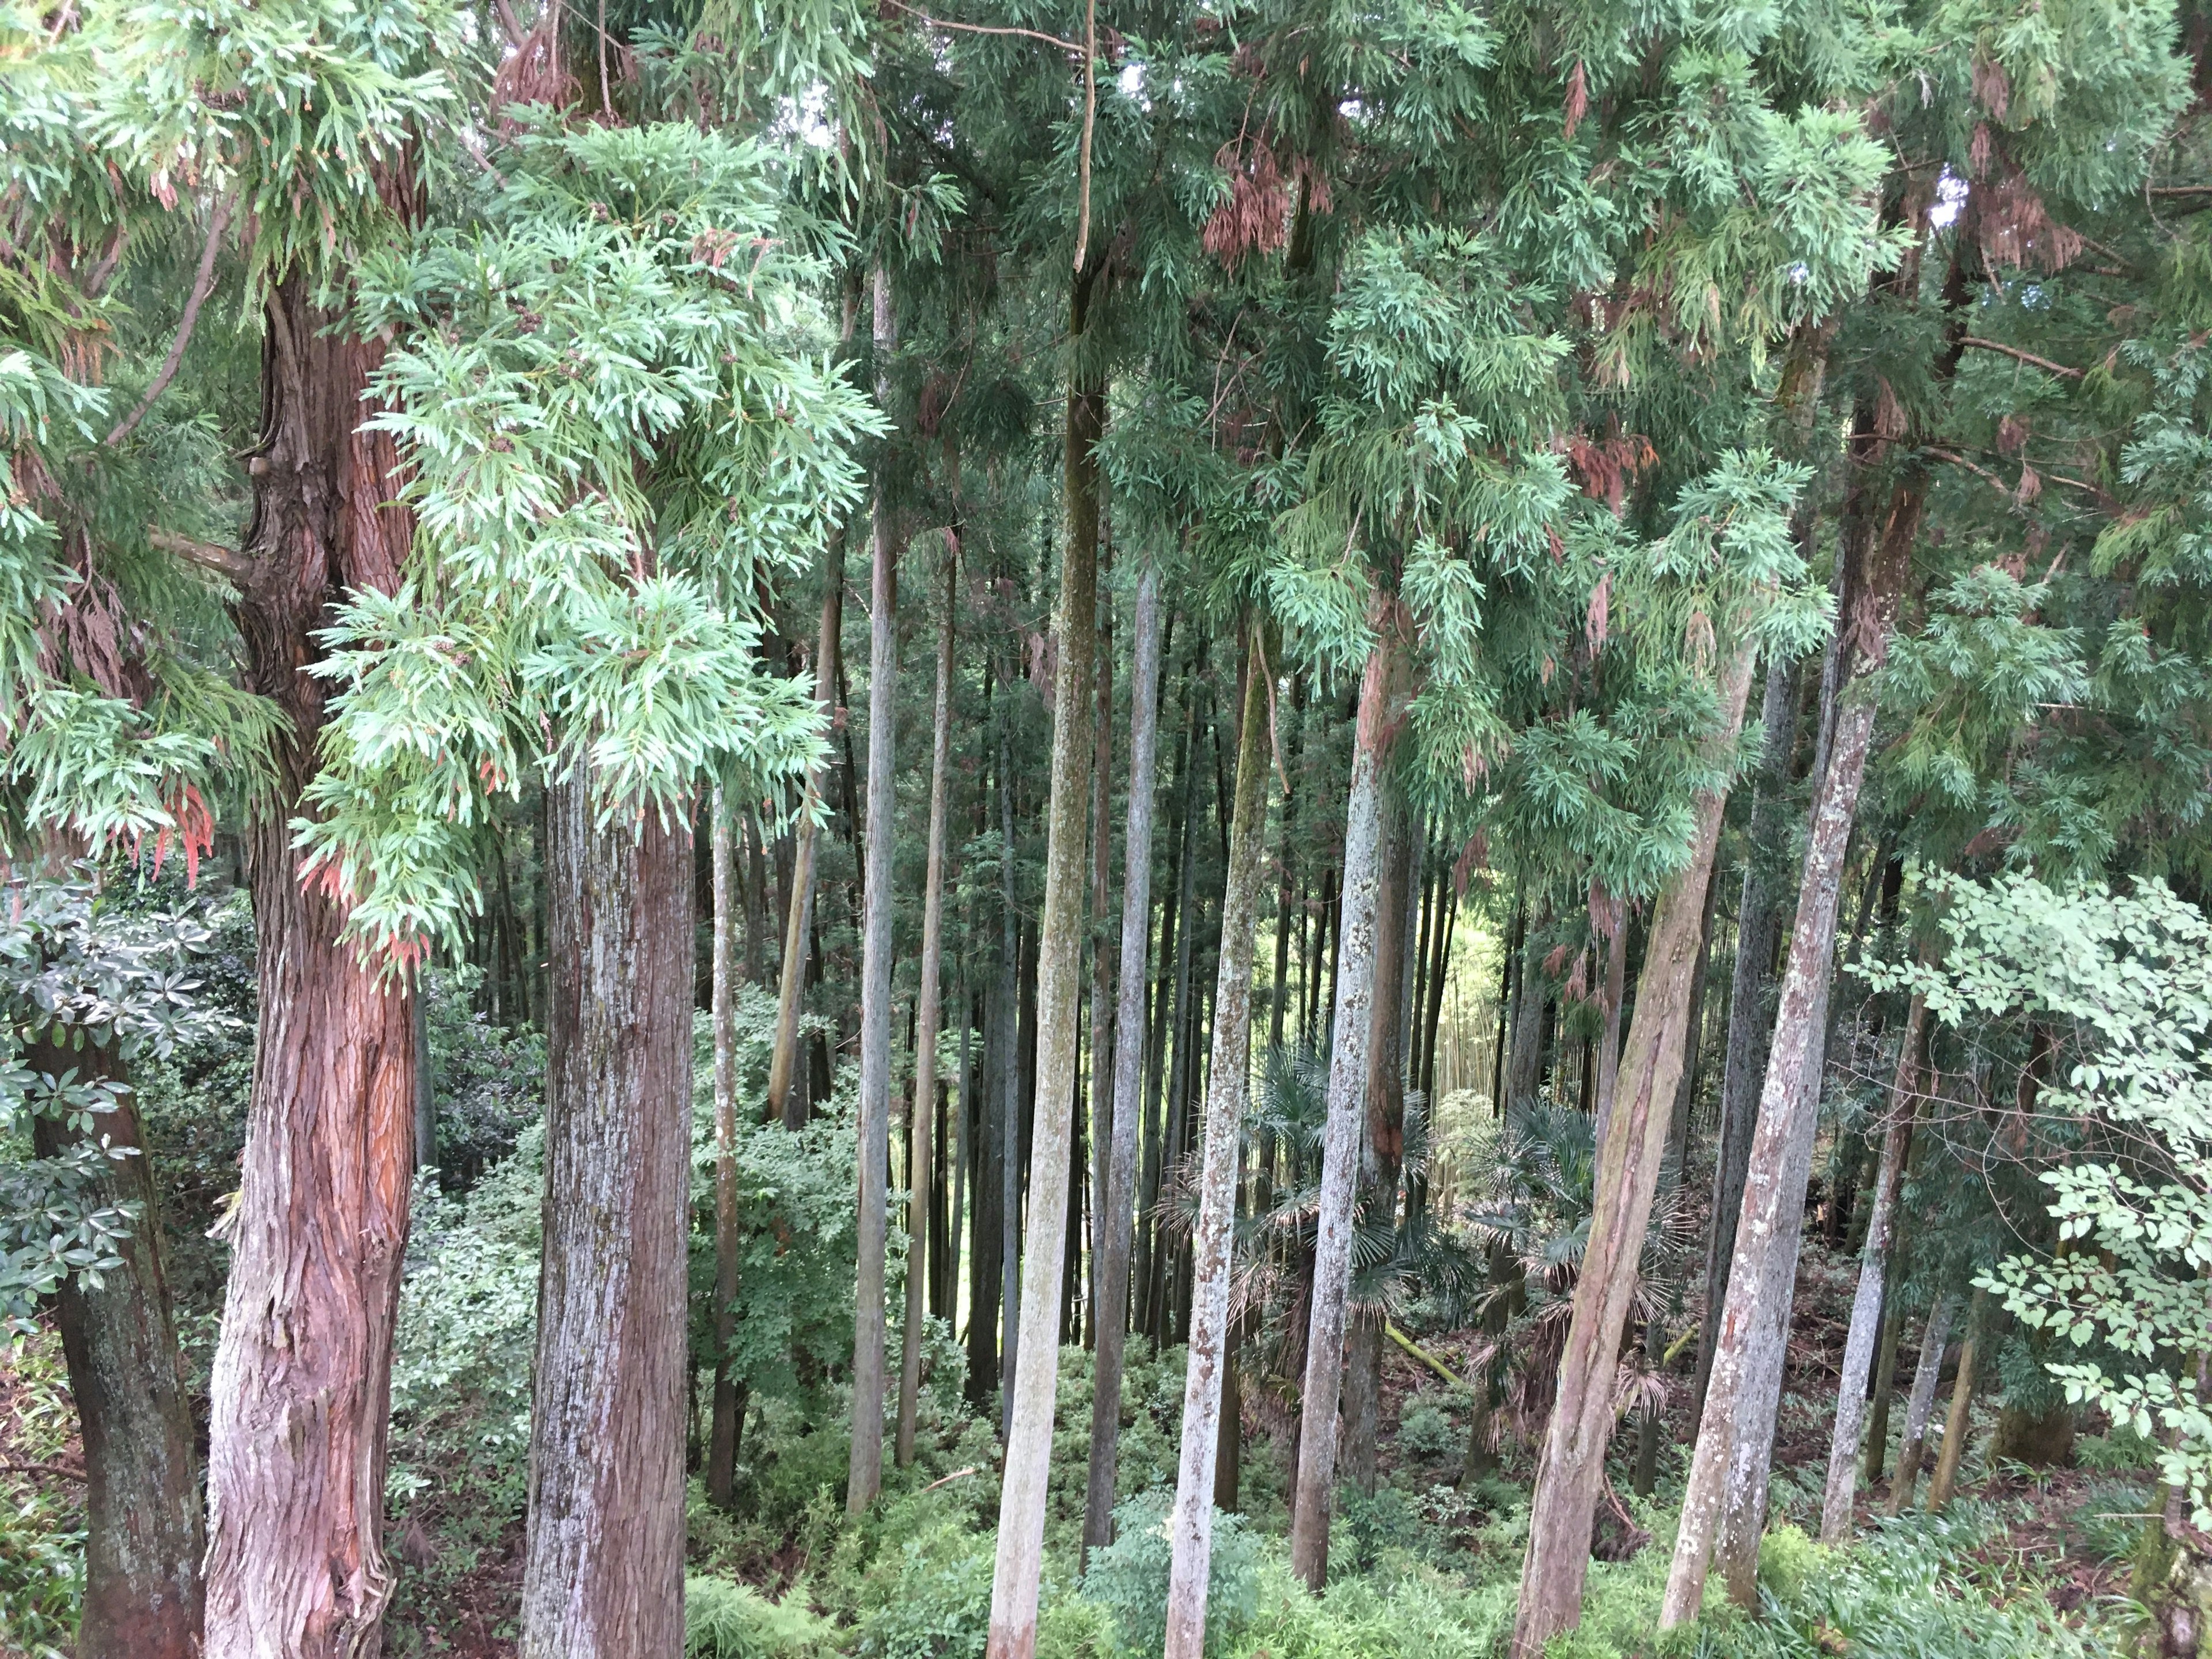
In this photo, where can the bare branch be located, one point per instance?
(985, 28)
(2028, 357)
(233, 567)
(202, 280)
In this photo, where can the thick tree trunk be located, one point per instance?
(1190, 1530)
(927, 1015)
(1866, 1305)
(1630, 1152)
(301, 1388)
(143, 1540)
(1743, 1066)
(784, 1102)
(1015, 1578)
(864, 1475)
(1117, 1222)
(603, 1569)
(1920, 1404)
(1344, 1134)
(1725, 1503)
(722, 1438)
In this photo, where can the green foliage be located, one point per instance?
(41, 1525)
(726, 1620)
(489, 1082)
(1129, 1578)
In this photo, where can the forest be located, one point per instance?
(1106, 829)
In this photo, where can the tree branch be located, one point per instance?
(2028, 357)
(60, 1471)
(984, 28)
(202, 280)
(233, 567)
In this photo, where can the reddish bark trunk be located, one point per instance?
(602, 1571)
(295, 1564)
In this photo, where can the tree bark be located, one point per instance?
(1920, 1404)
(722, 1438)
(1524, 1063)
(1725, 1497)
(603, 1567)
(1885, 1364)
(1616, 992)
(1866, 1304)
(1015, 1579)
(1190, 1530)
(1117, 1220)
(142, 1538)
(1343, 1135)
(1955, 1425)
(864, 1476)
(927, 1016)
(302, 1387)
(783, 1101)
(1758, 925)
(1630, 1151)
(1103, 1050)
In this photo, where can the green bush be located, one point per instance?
(933, 1601)
(726, 1620)
(1426, 1433)
(1129, 1578)
(1419, 1614)
(2107, 1524)
(41, 1528)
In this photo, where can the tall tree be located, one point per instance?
(728, 1408)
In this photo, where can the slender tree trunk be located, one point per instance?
(603, 1568)
(1866, 1305)
(1117, 1223)
(1190, 1529)
(926, 1016)
(1009, 1104)
(1955, 1425)
(864, 1476)
(1885, 1364)
(301, 1388)
(722, 1438)
(1143, 1275)
(1678, 1129)
(1524, 1062)
(142, 1538)
(1630, 1154)
(1758, 925)
(1616, 992)
(426, 1091)
(1725, 1503)
(1015, 1580)
(1103, 1050)
(1343, 1134)
(1920, 1404)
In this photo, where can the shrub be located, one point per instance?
(1425, 1434)
(1129, 1578)
(726, 1620)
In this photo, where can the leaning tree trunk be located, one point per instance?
(1630, 1152)
(1946, 1478)
(1015, 1578)
(1758, 925)
(603, 1566)
(927, 1015)
(1190, 1530)
(864, 1476)
(722, 1436)
(1866, 1305)
(1344, 1129)
(143, 1540)
(1920, 1404)
(1723, 1506)
(302, 1388)
(1116, 1219)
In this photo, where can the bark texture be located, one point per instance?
(302, 1387)
(1631, 1150)
(603, 1568)
(928, 1014)
(1117, 1222)
(1015, 1579)
(722, 1436)
(1874, 1272)
(1955, 1424)
(1342, 1136)
(1190, 1530)
(143, 1538)
(1920, 1404)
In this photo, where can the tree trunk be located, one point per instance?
(1343, 1136)
(1920, 1404)
(1191, 1526)
(1955, 1425)
(1758, 925)
(1103, 1051)
(1630, 1151)
(1015, 1579)
(864, 1476)
(603, 1569)
(1524, 1063)
(142, 1538)
(1866, 1305)
(783, 1101)
(722, 1438)
(1116, 1220)
(1885, 1364)
(1725, 1497)
(1616, 992)
(302, 1387)
(927, 1019)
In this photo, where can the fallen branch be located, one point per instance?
(1675, 1347)
(946, 1480)
(59, 1471)
(1423, 1355)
